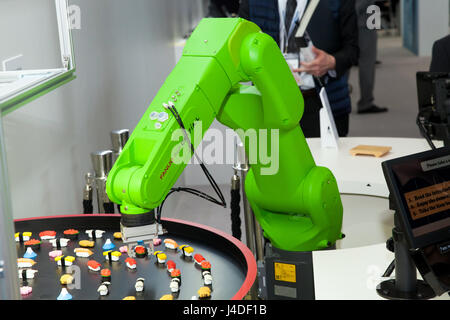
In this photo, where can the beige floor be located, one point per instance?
(395, 88)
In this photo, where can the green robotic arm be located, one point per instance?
(299, 206)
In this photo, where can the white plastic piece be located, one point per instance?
(175, 285)
(62, 241)
(163, 116)
(158, 125)
(207, 278)
(103, 290)
(98, 233)
(139, 285)
(328, 132)
(154, 115)
(29, 273)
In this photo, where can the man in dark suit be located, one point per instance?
(441, 55)
(334, 33)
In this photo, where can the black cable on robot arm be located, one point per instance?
(202, 165)
(220, 202)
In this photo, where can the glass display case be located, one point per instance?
(18, 87)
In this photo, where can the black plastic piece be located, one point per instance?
(138, 220)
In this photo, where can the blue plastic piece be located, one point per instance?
(30, 254)
(64, 295)
(108, 245)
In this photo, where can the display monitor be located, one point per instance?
(420, 188)
(433, 93)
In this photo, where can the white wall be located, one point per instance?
(433, 23)
(123, 52)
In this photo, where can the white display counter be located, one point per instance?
(354, 270)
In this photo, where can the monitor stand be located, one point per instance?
(405, 286)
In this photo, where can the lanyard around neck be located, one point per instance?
(286, 34)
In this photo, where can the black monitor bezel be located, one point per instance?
(420, 242)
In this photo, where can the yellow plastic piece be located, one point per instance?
(167, 297)
(188, 250)
(129, 298)
(86, 243)
(66, 279)
(204, 292)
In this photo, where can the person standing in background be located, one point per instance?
(440, 61)
(368, 39)
(334, 33)
(223, 8)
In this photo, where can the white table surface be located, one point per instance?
(363, 174)
(353, 271)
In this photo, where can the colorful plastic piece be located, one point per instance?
(30, 254)
(25, 263)
(131, 263)
(27, 273)
(59, 243)
(171, 265)
(123, 249)
(64, 295)
(198, 258)
(139, 286)
(55, 253)
(204, 293)
(140, 251)
(106, 275)
(47, 235)
(187, 250)
(108, 245)
(160, 256)
(86, 244)
(112, 255)
(103, 290)
(206, 265)
(33, 243)
(95, 234)
(170, 244)
(94, 265)
(66, 279)
(22, 237)
(83, 252)
(71, 234)
(25, 291)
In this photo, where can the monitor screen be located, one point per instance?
(420, 185)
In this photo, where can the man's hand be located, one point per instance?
(323, 63)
